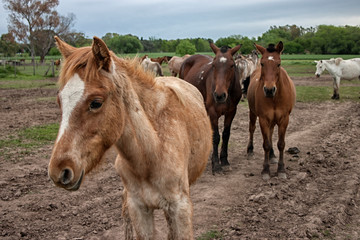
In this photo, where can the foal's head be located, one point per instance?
(224, 70)
(270, 67)
(91, 121)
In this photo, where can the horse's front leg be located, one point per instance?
(266, 133)
(215, 165)
(179, 218)
(272, 156)
(281, 145)
(126, 216)
(142, 218)
(336, 85)
(229, 117)
(252, 126)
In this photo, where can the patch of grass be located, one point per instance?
(324, 93)
(212, 234)
(18, 84)
(28, 139)
(313, 94)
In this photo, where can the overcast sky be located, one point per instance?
(173, 19)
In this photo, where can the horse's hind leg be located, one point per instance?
(252, 126)
(281, 145)
(229, 117)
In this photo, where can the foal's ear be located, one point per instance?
(101, 54)
(235, 49)
(261, 49)
(279, 47)
(65, 49)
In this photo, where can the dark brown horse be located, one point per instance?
(271, 97)
(217, 80)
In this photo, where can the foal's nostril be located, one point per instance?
(66, 176)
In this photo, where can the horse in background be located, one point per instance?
(159, 127)
(339, 69)
(160, 60)
(57, 63)
(217, 80)
(151, 66)
(246, 65)
(271, 97)
(175, 64)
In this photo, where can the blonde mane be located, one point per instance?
(83, 60)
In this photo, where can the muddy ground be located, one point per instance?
(319, 200)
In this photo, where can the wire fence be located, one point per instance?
(48, 68)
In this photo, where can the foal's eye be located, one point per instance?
(96, 104)
(262, 64)
(279, 65)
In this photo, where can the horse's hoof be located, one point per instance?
(217, 169)
(226, 168)
(266, 176)
(282, 175)
(250, 155)
(274, 160)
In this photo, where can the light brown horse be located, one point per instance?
(271, 97)
(175, 64)
(159, 127)
(217, 80)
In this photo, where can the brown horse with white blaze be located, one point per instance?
(159, 127)
(271, 97)
(218, 81)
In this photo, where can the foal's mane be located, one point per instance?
(83, 58)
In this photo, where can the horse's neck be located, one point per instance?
(330, 67)
(139, 139)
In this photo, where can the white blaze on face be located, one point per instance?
(69, 98)
(223, 59)
(271, 58)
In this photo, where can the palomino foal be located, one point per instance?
(159, 126)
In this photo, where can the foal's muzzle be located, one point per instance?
(269, 92)
(317, 75)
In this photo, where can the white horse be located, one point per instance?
(246, 65)
(339, 68)
(151, 66)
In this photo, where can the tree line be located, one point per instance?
(33, 25)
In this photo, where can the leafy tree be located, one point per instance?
(8, 46)
(185, 47)
(230, 41)
(123, 43)
(35, 22)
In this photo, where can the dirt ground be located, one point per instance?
(319, 200)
